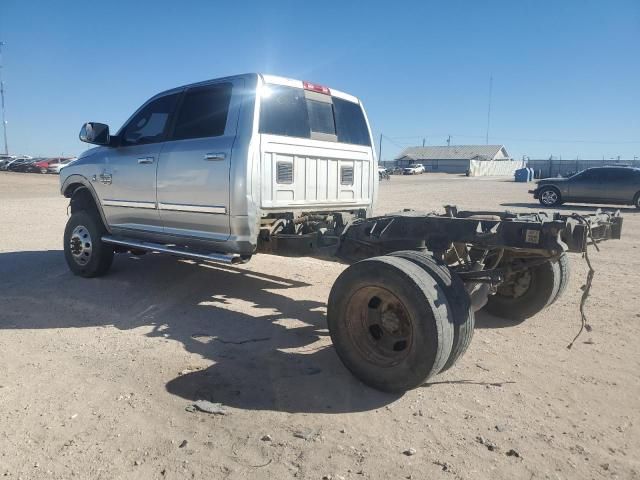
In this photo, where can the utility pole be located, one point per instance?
(423, 140)
(4, 120)
(489, 108)
(449, 141)
(380, 150)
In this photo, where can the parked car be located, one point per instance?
(55, 167)
(616, 185)
(5, 164)
(22, 165)
(414, 169)
(383, 173)
(5, 160)
(43, 165)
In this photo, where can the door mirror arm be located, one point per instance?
(115, 141)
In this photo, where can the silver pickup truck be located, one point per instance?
(221, 170)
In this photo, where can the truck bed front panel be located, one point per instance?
(301, 174)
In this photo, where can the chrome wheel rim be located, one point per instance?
(80, 245)
(549, 197)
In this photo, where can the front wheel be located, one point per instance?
(550, 197)
(84, 251)
(636, 200)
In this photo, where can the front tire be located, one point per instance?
(390, 323)
(636, 201)
(84, 251)
(549, 197)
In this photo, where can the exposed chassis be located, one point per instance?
(534, 236)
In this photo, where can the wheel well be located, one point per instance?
(635, 197)
(81, 198)
(550, 187)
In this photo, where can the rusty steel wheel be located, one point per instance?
(379, 326)
(527, 292)
(390, 323)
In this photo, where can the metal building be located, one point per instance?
(456, 158)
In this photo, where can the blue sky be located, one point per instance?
(566, 74)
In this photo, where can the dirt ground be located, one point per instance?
(95, 375)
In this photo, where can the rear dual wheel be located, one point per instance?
(462, 315)
(391, 322)
(527, 292)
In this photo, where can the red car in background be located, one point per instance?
(50, 164)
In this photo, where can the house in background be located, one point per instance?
(475, 159)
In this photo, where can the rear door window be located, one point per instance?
(203, 112)
(288, 111)
(616, 175)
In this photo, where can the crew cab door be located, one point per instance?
(126, 182)
(193, 172)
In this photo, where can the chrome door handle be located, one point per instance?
(145, 160)
(215, 156)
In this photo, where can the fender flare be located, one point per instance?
(79, 179)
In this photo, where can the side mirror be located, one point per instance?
(96, 133)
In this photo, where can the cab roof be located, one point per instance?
(267, 79)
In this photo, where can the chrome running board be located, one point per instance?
(228, 258)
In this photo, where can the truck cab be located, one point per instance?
(207, 165)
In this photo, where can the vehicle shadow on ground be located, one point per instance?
(271, 352)
(572, 208)
(486, 320)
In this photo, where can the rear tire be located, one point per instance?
(84, 251)
(390, 323)
(456, 294)
(636, 200)
(528, 293)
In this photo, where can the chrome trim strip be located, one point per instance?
(176, 207)
(229, 258)
(124, 203)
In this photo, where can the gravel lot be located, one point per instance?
(95, 374)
